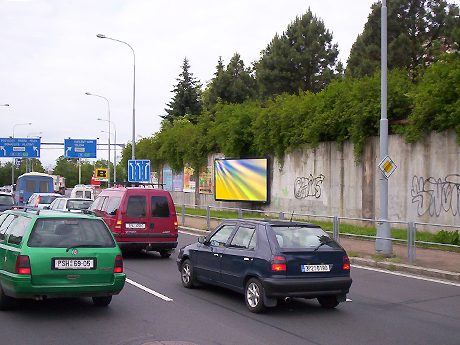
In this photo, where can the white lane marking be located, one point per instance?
(150, 291)
(408, 275)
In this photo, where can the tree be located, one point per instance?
(187, 97)
(235, 84)
(417, 30)
(302, 59)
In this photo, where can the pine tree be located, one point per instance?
(302, 58)
(418, 31)
(187, 97)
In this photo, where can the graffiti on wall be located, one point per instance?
(436, 195)
(308, 186)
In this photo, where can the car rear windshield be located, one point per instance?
(6, 200)
(290, 237)
(47, 199)
(70, 232)
(78, 204)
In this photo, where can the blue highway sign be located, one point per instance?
(20, 147)
(79, 148)
(139, 170)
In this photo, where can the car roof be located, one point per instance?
(278, 222)
(49, 213)
(51, 194)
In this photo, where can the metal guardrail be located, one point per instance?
(410, 226)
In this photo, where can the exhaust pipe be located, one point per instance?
(287, 299)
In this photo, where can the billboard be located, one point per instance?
(244, 179)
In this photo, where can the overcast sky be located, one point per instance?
(50, 57)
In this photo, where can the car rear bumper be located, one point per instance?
(309, 288)
(147, 245)
(21, 287)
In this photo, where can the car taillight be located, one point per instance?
(346, 263)
(21, 199)
(22, 265)
(176, 226)
(118, 267)
(117, 226)
(278, 263)
(38, 201)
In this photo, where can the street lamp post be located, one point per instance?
(31, 160)
(108, 106)
(12, 163)
(134, 92)
(114, 151)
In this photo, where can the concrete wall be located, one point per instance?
(327, 181)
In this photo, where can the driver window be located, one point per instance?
(222, 235)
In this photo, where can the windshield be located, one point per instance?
(302, 237)
(78, 204)
(70, 232)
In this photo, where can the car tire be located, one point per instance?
(328, 301)
(103, 301)
(254, 295)
(187, 274)
(165, 254)
(6, 302)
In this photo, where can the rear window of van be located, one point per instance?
(137, 206)
(160, 207)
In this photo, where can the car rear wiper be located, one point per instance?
(85, 246)
(323, 242)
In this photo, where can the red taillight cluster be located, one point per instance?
(117, 226)
(38, 201)
(176, 226)
(278, 263)
(346, 263)
(22, 265)
(118, 267)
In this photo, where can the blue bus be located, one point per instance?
(30, 183)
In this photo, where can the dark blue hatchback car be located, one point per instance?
(267, 260)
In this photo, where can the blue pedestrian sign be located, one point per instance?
(17, 162)
(139, 170)
(80, 148)
(20, 147)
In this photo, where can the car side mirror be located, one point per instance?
(46, 207)
(202, 239)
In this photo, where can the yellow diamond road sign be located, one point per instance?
(387, 166)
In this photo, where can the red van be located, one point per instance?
(139, 218)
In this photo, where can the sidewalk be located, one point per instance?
(433, 263)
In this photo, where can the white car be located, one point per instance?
(42, 200)
(70, 204)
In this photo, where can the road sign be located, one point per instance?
(17, 162)
(387, 166)
(139, 170)
(101, 174)
(20, 147)
(80, 148)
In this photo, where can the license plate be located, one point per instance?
(315, 268)
(74, 264)
(135, 225)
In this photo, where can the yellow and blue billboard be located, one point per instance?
(245, 179)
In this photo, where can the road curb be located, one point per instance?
(386, 265)
(415, 270)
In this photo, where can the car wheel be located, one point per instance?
(165, 254)
(6, 302)
(102, 301)
(254, 295)
(328, 301)
(187, 274)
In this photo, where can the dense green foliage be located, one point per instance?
(345, 110)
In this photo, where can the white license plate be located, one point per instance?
(74, 264)
(135, 225)
(315, 268)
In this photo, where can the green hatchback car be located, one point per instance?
(47, 254)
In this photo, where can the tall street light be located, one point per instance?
(134, 92)
(12, 163)
(114, 150)
(108, 107)
(31, 160)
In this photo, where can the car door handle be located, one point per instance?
(247, 259)
(215, 254)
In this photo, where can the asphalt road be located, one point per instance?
(154, 308)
